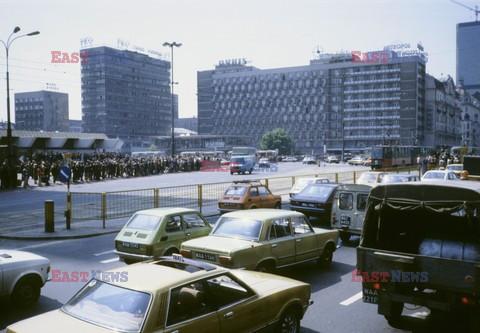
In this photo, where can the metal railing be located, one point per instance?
(110, 205)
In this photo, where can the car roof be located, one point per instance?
(355, 187)
(151, 276)
(262, 214)
(166, 211)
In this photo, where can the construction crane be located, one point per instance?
(474, 10)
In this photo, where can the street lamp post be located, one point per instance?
(11, 167)
(171, 46)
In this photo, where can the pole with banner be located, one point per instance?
(65, 177)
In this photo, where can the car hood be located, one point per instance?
(55, 321)
(218, 244)
(8, 257)
(139, 236)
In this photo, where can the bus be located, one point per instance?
(460, 151)
(385, 156)
(270, 154)
(244, 151)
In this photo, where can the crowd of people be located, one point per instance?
(44, 168)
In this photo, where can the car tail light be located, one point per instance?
(225, 261)
(48, 269)
(376, 286)
(186, 253)
(149, 250)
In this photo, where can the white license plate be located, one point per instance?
(205, 256)
(370, 296)
(130, 245)
(345, 220)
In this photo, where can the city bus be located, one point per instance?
(270, 154)
(386, 156)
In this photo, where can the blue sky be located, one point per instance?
(269, 33)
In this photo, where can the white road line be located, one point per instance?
(43, 244)
(352, 299)
(109, 261)
(102, 253)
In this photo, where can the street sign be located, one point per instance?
(64, 174)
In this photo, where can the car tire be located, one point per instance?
(265, 267)
(327, 256)
(345, 237)
(395, 314)
(278, 205)
(250, 172)
(253, 207)
(170, 252)
(26, 292)
(128, 261)
(289, 322)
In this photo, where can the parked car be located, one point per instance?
(456, 168)
(22, 275)
(246, 194)
(153, 233)
(424, 239)
(309, 160)
(262, 240)
(371, 177)
(264, 163)
(357, 160)
(333, 159)
(242, 164)
(367, 161)
(348, 209)
(289, 159)
(224, 162)
(301, 183)
(436, 175)
(399, 178)
(175, 294)
(315, 200)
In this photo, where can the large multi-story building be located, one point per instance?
(336, 103)
(41, 111)
(126, 94)
(468, 56)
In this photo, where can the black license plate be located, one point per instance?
(345, 220)
(205, 256)
(130, 245)
(229, 204)
(370, 296)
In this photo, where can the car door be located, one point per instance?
(282, 241)
(361, 205)
(191, 310)
(266, 197)
(195, 226)
(306, 242)
(346, 214)
(174, 232)
(254, 199)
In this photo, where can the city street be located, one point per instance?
(337, 300)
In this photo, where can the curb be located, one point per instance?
(59, 237)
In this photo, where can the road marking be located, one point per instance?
(109, 261)
(41, 245)
(102, 253)
(352, 299)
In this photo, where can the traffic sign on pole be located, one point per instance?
(65, 174)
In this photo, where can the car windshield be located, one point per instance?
(238, 160)
(236, 190)
(434, 175)
(109, 306)
(145, 222)
(238, 228)
(301, 183)
(320, 192)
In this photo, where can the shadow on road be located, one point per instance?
(11, 314)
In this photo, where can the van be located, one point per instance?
(242, 164)
(348, 209)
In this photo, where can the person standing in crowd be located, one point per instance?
(25, 176)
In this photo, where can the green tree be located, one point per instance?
(277, 139)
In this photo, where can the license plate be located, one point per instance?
(205, 256)
(130, 245)
(304, 204)
(229, 204)
(370, 296)
(345, 220)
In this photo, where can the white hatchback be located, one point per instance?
(436, 175)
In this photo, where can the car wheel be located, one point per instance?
(326, 258)
(278, 205)
(26, 292)
(128, 261)
(265, 267)
(289, 322)
(250, 172)
(345, 237)
(253, 207)
(170, 252)
(395, 316)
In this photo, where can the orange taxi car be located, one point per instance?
(247, 194)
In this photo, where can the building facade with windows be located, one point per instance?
(468, 56)
(41, 111)
(126, 95)
(334, 104)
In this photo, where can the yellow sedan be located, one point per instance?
(174, 294)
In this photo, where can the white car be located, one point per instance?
(332, 159)
(264, 163)
(22, 275)
(301, 183)
(435, 175)
(289, 159)
(357, 160)
(309, 160)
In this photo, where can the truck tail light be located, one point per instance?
(376, 286)
(225, 261)
(186, 253)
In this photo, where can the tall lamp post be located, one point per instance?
(171, 46)
(12, 172)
